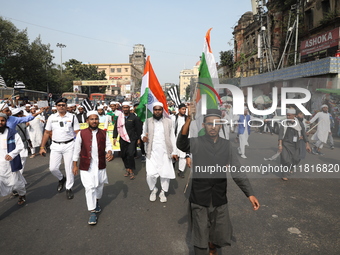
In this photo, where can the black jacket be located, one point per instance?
(79, 117)
(133, 127)
(206, 186)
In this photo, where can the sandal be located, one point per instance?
(22, 200)
(127, 174)
(132, 176)
(212, 249)
(32, 156)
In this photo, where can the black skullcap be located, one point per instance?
(213, 112)
(63, 100)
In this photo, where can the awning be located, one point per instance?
(330, 91)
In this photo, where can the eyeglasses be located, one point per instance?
(61, 105)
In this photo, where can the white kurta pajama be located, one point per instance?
(35, 131)
(94, 179)
(181, 155)
(323, 128)
(159, 164)
(9, 180)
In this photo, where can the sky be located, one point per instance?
(105, 31)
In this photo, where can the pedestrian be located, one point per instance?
(243, 132)
(209, 220)
(330, 135)
(159, 136)
(111, 115)
(81, 116)
(10, 161)
(62, 126)
(141, 145)
(21, 128)
(129, 128)
(178, 121)
(290, 135)
(101, 113)
(324, 129)
(35, 130)
(94, 147)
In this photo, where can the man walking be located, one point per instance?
(95, 148)
(159, 136)
(62, 126)
(178, 121)
(209, 215)
(129, 128)
(243, 132)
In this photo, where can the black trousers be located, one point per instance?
(127, 152)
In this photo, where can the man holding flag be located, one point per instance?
(158, 133)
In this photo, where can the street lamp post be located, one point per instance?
(61, 46)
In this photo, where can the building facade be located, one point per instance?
(186, 77)
(137, 58)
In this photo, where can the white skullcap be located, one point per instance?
(32, 107)
(35, 104)
(105, 104)
(119, 103)
(157, 104)
(112, 102)
(126, 103)
(3, 106)
(91, 113)
(54, 108)
(28, 105)
(15, 111)
(324, 106)
(131, 108)
(291, 111)
(100, 107)
(71, 105)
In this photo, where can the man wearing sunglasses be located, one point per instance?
(62, 127)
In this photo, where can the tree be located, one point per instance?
(75, 70)
(227, 58)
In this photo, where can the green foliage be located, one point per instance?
(227, 58)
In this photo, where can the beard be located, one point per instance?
(2, 129)
(159, 117)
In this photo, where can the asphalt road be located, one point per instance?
(299, 216)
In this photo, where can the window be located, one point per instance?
(325, 7)
(112, 70)
(126, 69)
(119, 70)
(309, 19)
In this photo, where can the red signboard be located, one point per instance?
(320, 42)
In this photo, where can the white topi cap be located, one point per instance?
(291, 111)
(88, 114)
(157, 104)
(324, 106)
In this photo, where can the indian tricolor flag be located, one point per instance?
(151, 92)
(207, 79)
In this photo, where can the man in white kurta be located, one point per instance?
(324, 129)
(35, 130)
(10, 179)
(94, 178)
(159, 136)
(243, 132)
(178, 121)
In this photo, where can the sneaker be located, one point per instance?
(239, 150)
(98, 209)
(153, 195)
(314, 151)
(320, 153)
(143, 159)
(180, 174)
(93, 219)
(243, 156)
(162, 197)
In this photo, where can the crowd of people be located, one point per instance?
(167, 147)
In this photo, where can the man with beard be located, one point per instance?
(101, 114)
(289, 141)
(10, 162)
(95, 148)
(159, 136)
(81, 116)
(35, 130)
(209, 215)
(129, 128)
(324, 129)
(111, 115)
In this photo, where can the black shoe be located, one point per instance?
(69, 194)
(61, 184)
(180, 174)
